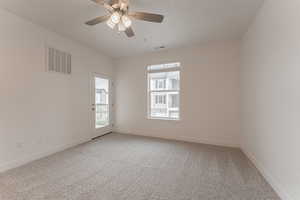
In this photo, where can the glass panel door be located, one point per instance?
(101, 105)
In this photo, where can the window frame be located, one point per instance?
(177, 68)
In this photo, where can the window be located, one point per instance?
(160, 84)
(173, 101)
(160, 99)
(164, 91)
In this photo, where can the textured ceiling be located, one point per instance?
(186, 22)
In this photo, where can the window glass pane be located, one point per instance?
(174, 114)
(101, 100)
(174, 100)
(174, 82)
(164, 81)
(173, 105)
(164, 104)
(159, 104)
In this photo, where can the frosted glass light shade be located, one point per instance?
(126, 21)
(121, 27)
(115, 17)
(110, 23)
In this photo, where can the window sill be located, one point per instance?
(163, 119)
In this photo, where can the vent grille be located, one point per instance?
(58, 61)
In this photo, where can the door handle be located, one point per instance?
(93, 109)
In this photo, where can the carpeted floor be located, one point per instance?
(121, 167)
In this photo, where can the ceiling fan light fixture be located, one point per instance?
(121, 27)
(120, 16)
(115, 17)
(110, 23)
(126, 21)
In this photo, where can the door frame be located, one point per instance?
(97, 132)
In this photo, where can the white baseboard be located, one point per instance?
(27, 159)
(280, 190)
(185, 139)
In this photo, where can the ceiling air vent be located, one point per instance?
(159, 48)
(58, 61)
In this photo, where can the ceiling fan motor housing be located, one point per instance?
(121, 5)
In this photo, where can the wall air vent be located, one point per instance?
(58, 61)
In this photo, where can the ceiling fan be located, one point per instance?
(119, 15)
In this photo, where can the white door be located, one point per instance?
(101, 105)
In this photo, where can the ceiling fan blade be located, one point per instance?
(113, 2)
(129, 32)
(105, 5)
(98, 1)
(147, 17)
(98, 20)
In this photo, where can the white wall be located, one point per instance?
(40, 112)
(271, 95)
(209, 95)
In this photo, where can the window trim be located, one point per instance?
(148, 72)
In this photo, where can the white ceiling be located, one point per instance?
(186, 22)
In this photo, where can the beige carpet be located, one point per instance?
(120, 167)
